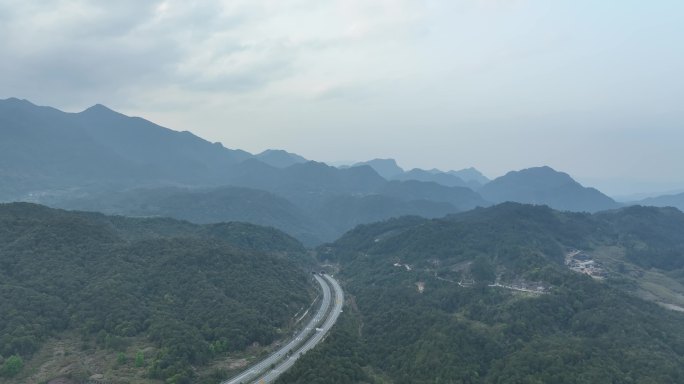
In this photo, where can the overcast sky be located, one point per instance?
(593, 88)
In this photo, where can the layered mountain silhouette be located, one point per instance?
(442, 178)
(46, 148)
(386, 168)
(546, 186)
(390, 170)
(674, 200)
(470, 175)
(460, 197)
(99, 159)
(280, 158)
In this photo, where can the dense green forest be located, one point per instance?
(423, 307)
(429, 300)
(194, 292)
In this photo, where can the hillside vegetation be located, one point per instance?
(190, 293)
(485, 297)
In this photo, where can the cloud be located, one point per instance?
(87, 50)
(82, 50)
(78, 50)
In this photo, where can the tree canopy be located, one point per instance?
(196, 292)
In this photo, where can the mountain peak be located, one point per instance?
(386, 168)
(99, 108)
(545, 185)
(471, 176)
(280, 158)
(543, 175)
(13, 101)
(540, 169)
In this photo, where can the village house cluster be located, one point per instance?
(580, 261)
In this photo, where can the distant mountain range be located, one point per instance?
(386, 168)
(102, 160)
(676, 200)
(279, 158)
(45, 149)
(390, 170)
(545, 186)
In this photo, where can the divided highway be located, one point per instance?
(306, 339)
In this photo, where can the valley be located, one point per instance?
(341, 192)
(191, 264)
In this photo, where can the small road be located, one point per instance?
(306, 339)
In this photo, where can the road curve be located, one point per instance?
(284, 365)
(249, 375)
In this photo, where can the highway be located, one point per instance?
(308, 335)
(273, 374)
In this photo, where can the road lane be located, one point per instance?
(273, 374)
(255, 370)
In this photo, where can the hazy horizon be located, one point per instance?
(591, 89)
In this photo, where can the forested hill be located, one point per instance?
(486, 297)
(179, 294)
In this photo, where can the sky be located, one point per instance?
(592, 88)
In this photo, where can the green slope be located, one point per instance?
(189, 293)
(423, 308)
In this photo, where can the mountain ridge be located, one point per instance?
(59, 158)
(544, 185)
(672, 200)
